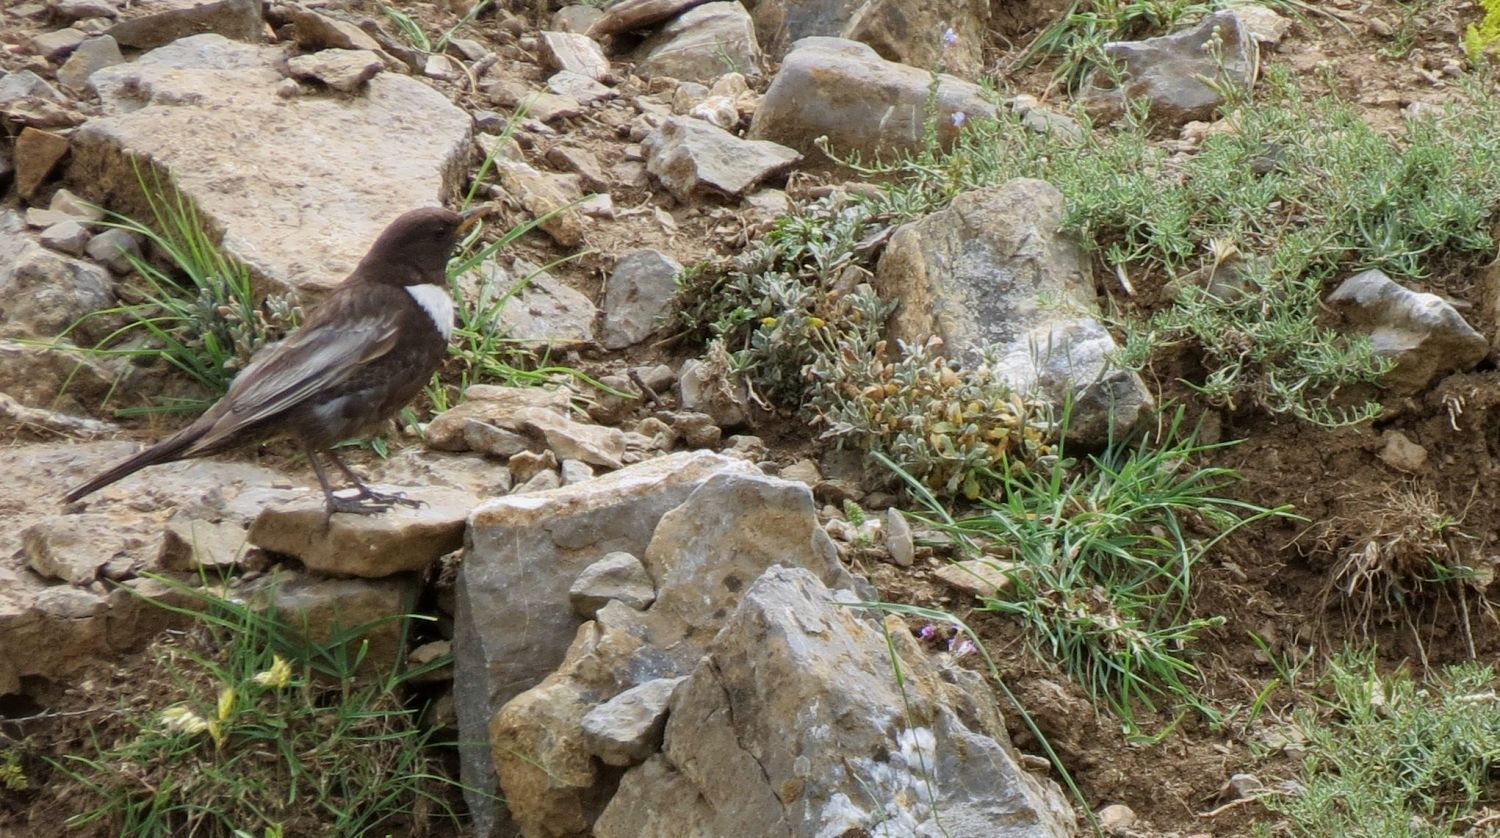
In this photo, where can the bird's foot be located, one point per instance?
(355, 505)
(388, 499)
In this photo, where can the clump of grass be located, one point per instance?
(481, 351)
(262, 732)
(1077, 38)
(12, 776)
(1388, 755)
(1104, 551)
(768, 306)
(197, 314)
(413, 32)
(1399, 550)
(1407, 30)
(951, 427)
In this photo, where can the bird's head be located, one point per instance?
(415, 248)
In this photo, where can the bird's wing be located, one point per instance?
(317, 356)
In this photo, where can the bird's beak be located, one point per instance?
(470, 218)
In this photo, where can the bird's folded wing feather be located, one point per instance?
(309, 361)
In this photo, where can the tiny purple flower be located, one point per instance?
(927, 632)
(959, 118)
(960, 646)
(950, 38)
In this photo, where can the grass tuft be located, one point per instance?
(793, 318)
(260, 731)
(199, 316)
(1480, 38)
(414, 34)
(1400, 551)
(1103, 553)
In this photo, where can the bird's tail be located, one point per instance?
(167, 450)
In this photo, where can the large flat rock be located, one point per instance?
(50, 630)
(153, 23)
(400, 539)
(298, 186)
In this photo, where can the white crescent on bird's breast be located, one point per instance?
(437, 303)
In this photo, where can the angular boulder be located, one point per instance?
(43, 292)
(992, 274)
(861, 102)
(574, 53)
(491, 405)
(357, 612)
(91, 56)
(399, 540)
(282, 195)
(49, 631)
(52, 633)
(638, 294)
(911, 32)
(703, 555)
(692, 157)
(153, 23)
(544, 311)
(633, 15)
(702, 44)
(514, 619)
(1426, 337)
(38, 375)
(341, 69)
(797, 723)
(1181, 75)
(36, 155)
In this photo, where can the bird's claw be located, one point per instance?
(389, 499)
(356, 505)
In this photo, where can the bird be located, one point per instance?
(361, 354)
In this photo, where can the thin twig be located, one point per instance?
(646, 391)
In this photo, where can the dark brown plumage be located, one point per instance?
(361, 355)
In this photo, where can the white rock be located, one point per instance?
(692, 157)
(574, 53)
(340, 69)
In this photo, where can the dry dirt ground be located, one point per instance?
(1272, 580)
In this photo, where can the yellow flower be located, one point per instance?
(226, 703)
(277, 676)
(180, 719)
(768, 322)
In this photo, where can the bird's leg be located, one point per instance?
(366, 493)
(357, 505)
